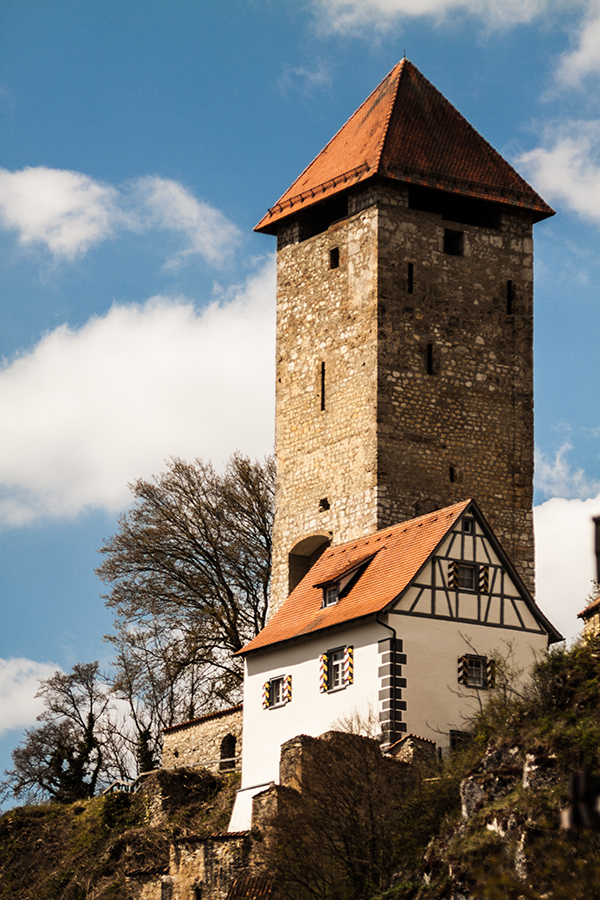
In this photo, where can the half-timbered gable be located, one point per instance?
(469, 579)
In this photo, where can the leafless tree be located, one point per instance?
(189, 571)
(80, 746)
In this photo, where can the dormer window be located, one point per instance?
(331, 594)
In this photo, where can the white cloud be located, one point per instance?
(19, 683)
(557, 478)
(208, 232)
(567, 166)
(89, 410)
(353, 16)
(308, 78)
(585, 58)
(68, 213)
(565, 561)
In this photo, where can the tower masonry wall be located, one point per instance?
(404, 375)
(455, 372)
(326, 390)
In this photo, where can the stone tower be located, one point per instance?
(404, 331)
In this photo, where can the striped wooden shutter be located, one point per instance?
(490, 673)
(324, 673)
(484, 579)
(287, 689)
(463, 672)
(452, 574)
(349, 665)
(266, 695)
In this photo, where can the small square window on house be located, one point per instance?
(476, 671)
(454, 242)
(336, 669)
(334, 257)
(468, 577)
(468, 526)
(277, 691)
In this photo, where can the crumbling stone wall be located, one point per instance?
(200, 741)
(427, 378)
(198, 867)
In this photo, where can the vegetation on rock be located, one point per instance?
(83, 850)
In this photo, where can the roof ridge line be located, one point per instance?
(386, 127)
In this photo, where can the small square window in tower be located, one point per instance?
(454, 242)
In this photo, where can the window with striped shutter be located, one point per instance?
(349, 666)
(484, 579)
(287, 689)
(453, 574)
(476, 671)
(336, 669)
(266, 695)
(324, 673)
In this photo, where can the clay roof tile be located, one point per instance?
(407, 548)
(407, 131)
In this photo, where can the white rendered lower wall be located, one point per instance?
(435, 702)
(310, 711)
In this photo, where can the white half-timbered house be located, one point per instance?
(405, 624)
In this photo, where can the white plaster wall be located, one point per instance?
(310, 711)
(435, 701)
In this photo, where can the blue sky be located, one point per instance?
(140, 142)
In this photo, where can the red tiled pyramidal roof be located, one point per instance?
(392, 557)
(407, 131)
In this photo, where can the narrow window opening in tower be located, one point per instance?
(322, 386)
(324, 504)
(430, 359)
(334, 257)
(411, 278)
(452, 474)
(454, 242)
(510, 293)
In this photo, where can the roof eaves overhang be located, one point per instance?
(308, 634)
(277, 214)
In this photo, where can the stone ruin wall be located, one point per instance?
(198, 743)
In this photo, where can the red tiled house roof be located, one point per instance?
(391, 558)
(407, 131)
(590, 610)
(189, 723)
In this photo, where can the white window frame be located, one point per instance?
(331, 595)
(277, 692)
(463, 568)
